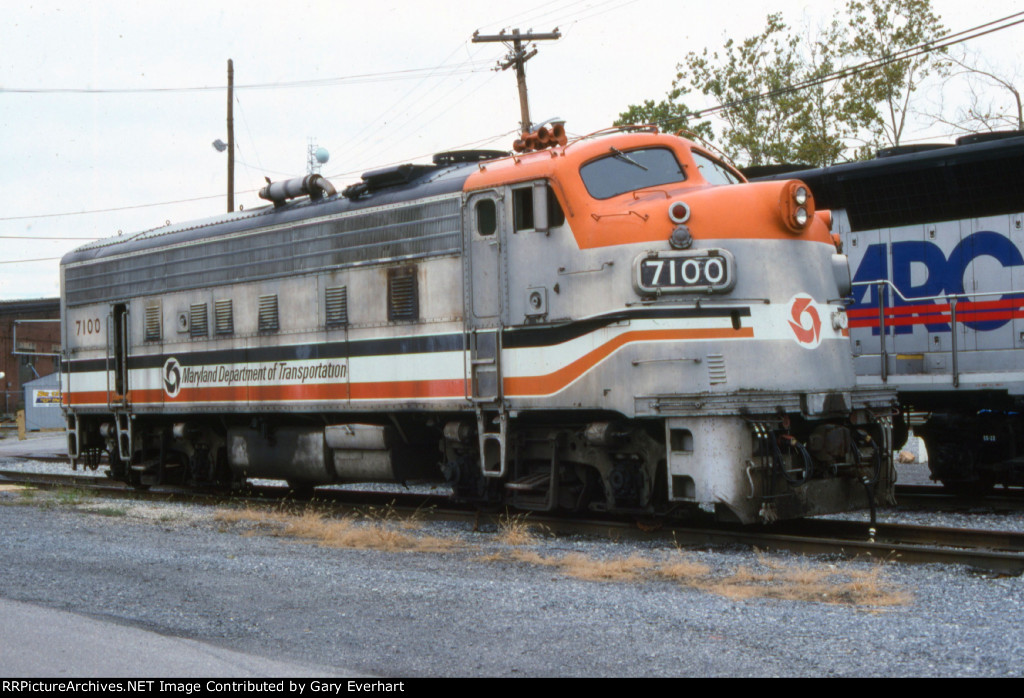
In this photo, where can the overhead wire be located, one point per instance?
(406, 74)
(356, 141)
(529, 16)
(943, 42)
(464, 67)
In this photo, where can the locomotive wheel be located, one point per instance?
(117, 467)
(135, 480)
(954, 465)
(970, 488)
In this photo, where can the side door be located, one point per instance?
(484, 288)
(117, 356)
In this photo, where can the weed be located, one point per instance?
(69, 497)
(110, 511)
(773, 579)
(770, 578)
(628, 569)
(514, 530)
(802, 582)
(364, 532)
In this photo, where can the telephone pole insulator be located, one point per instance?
(517, 58)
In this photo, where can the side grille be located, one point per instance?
(153, 323)
(403, 294)
(198, 322)
(224, 318)
(268, 314)
(716, 369)
(336, 300)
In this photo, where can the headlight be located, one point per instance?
(796, 207)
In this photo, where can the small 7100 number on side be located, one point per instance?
(87, 327)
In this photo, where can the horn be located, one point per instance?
(558, 134)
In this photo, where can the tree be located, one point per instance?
(994, 97)
(764, 120)
(786, 97)
(882, 31)
(669, 114)
(749, 79)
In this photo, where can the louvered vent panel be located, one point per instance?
(716, 369)
(223, 317)
(268, 314)
(198, 320)
(337, 306)
(403, 296)
(153, 323)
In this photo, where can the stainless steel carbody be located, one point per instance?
(495, 298)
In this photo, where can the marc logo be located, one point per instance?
(172, 377)
(805, 321)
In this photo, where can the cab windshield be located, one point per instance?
(622, 171)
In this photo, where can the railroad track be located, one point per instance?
(993, 551)
(935, 496)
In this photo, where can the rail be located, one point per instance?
(996, 551)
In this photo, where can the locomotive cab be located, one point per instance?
(690, 325)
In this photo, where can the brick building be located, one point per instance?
(32, 357)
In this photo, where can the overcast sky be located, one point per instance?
(393, 82)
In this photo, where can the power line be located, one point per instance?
(111, 210)
(214, 196)
(26, 261)
(411, 73)
(45, 237)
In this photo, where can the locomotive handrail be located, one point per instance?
(951, 298)
(945, 296)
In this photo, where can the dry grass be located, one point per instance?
(514, 530)
(803, 582)
(683, 570)
(632, 568)
(378, 530)
(629, 569)
(773, 579)
(769, 578)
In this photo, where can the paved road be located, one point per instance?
(39, 642)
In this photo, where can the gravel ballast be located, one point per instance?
(477, 610)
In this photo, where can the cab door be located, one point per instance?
(484, 293)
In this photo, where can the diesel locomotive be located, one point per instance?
(617, 323)
(935, 234)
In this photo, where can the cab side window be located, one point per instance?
(522, 209)
(486, 217)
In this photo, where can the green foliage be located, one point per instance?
(780, 101)
(880, 30)
(669, 115)
(762, 130)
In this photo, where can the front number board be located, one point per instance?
(690, 271)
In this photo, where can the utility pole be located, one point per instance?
(517, 57)
(231, 137)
